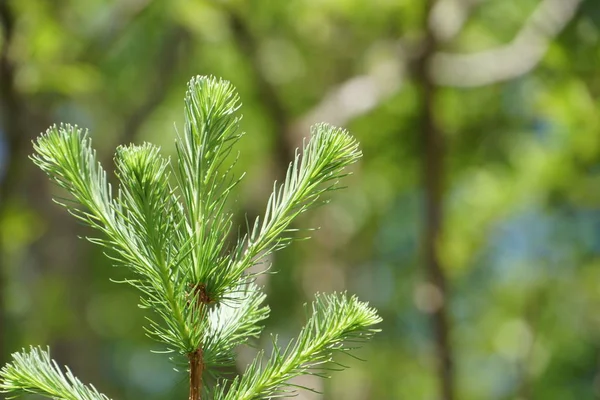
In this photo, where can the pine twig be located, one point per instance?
(172, 238)
(196, 371)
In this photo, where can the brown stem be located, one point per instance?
(196, 370)
(199, 297)
(433, 180)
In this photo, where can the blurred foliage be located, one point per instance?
(521, 233)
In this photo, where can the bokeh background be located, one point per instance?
(472, 222)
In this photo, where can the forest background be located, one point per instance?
(472, 222)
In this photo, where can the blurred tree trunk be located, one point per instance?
(15, 136)
(61, 253)
(433, 182)
(21, 120)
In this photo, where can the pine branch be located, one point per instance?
(314, 172)
(173, 239)
(336, 322)
(66, 155)
(211, 128)
(148, 205)
(34, 372)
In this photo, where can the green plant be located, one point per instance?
(172, 234)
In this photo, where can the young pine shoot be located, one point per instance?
(173, 238)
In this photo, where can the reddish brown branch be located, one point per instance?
(200, 294)
(196, 371)
(201, 298)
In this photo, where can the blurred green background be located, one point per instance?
(472, 222)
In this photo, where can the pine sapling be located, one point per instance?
(169, 225)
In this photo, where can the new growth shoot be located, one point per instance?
(171, 232)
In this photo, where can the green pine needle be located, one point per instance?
(233, 322)
(314, 172)
(337, 324)
(173, 237)
(34, 372)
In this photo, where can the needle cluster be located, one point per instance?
(169, 223)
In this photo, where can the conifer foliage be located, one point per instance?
(169, 225)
